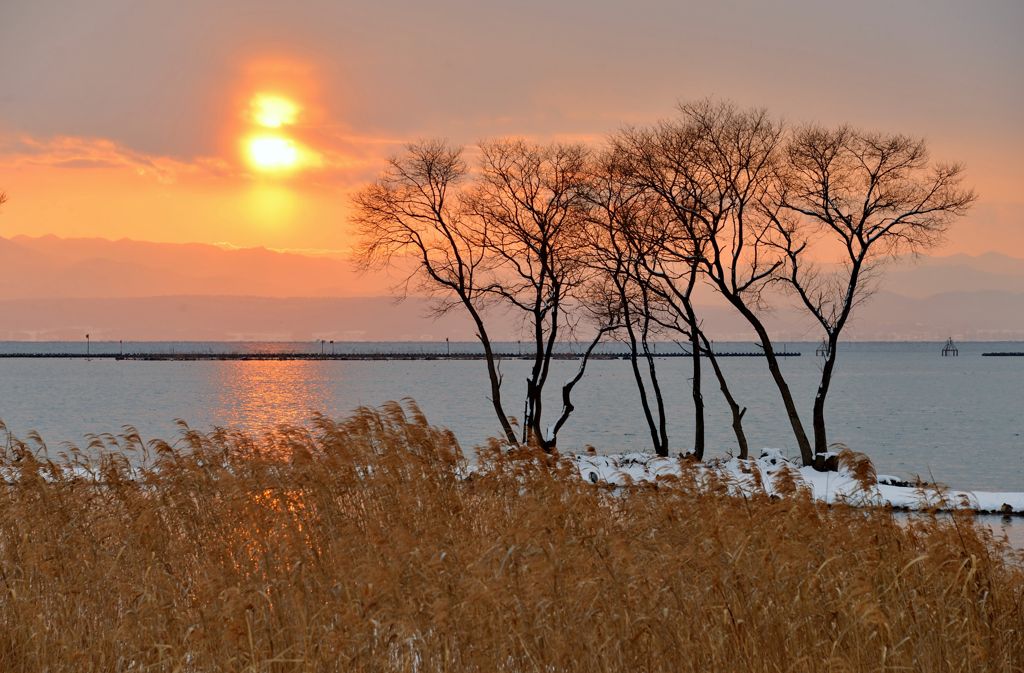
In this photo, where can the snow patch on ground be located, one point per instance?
(766, 473)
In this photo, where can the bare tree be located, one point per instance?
(653, 257)
(621, 218)
(713, 167)
(531, 211)
(665, 251)
(670, 276)
(414, 208)
(871, 196)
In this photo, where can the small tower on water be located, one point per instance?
(950, 349)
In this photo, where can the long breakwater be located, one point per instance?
(193, 357)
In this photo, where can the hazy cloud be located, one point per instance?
(86, 153)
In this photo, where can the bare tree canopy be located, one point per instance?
(415, 208)
(529, 202)
(869, 196)
(878, 193)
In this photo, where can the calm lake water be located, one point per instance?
(956, 420)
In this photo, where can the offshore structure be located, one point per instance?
(950, 349)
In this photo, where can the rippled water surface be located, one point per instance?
(957, 420)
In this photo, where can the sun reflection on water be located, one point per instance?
(263, 394)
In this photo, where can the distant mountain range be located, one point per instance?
(59, 289)
(929, 276)
(228, 318)
(49, 267)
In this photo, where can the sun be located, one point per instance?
(273, 149)
(273, 111)
(273, 153)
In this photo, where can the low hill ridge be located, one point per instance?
(56, 288)
(49, 267)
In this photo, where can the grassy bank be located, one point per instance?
(360, 548)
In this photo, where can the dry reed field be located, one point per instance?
(362, 546)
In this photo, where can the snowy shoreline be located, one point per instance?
(854, 483)
(763, 475)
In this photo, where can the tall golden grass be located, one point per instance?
(362, 546)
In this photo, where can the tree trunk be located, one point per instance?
(662, 423)
(698, 397)
(818, 418)
(737, 413)
(660, 448)
(531, 424)
(541, 368)
(802, 441)
(495, 377)
(535, 385)
(550, 438)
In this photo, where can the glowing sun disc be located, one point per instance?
(273, 111)
(273, 152)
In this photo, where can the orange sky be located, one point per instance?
(137, 120)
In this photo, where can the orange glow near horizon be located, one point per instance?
(271, 206)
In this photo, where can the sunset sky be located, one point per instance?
(248, 122)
